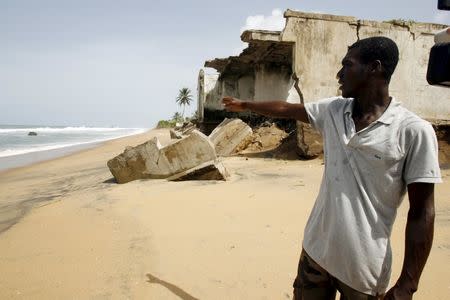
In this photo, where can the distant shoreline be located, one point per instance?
(26, 159)
(9, 163)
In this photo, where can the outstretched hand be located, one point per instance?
(233, 104)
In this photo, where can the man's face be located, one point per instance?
(353, 75)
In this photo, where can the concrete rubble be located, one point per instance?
(175, 135)
(184, 130)
(230, 137)
(266, 137)
(192, 157)
(206, 171)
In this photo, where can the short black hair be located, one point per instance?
(378, 48)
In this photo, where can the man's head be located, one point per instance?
(367, 61)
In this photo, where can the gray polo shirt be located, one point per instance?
(365, 179)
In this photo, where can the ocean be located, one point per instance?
(18, 148)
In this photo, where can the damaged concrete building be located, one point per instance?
(299, 64)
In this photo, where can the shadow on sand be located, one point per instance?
(171, 287)
(111, 180)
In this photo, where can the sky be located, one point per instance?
(121, 63)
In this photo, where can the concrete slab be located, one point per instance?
(150, 160)
(231, 136)
(206, 171)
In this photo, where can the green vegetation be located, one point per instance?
(402, 22)
(166, 124)
(184, 98)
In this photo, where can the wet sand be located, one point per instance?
(17, 161)
(68, 231)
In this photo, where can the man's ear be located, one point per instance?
(376, 67)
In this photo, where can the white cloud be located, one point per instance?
(442, 17)
(273, 22)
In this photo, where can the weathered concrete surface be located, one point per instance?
(182, 129)
(321, 42)
(186, 153)
(262, 71)
(314, 141)
(136, 162)
(175, 135)
(231, 136)
(187, 128)
(206, 171)
(265, 138)
(150, 160)
(208, 93)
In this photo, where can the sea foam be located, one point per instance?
(15, 141)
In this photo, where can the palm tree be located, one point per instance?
(177, 117)
(184, 98)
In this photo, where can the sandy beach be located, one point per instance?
(68, 231)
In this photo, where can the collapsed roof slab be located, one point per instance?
(249, 36)
(265, 47)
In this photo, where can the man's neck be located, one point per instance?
(369, 106)
(372, 102)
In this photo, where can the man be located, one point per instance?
(374, 151)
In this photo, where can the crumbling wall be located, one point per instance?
(321, 42)
(245, 87)
(207, 90)
(262, 71)
(272, 83)
(319, 48)
(264, 82)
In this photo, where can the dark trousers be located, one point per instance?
(314, 283)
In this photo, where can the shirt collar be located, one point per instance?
(386, 118)
(349, 107)
(389, 114)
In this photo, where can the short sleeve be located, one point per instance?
(317, 112)
(422, 164)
